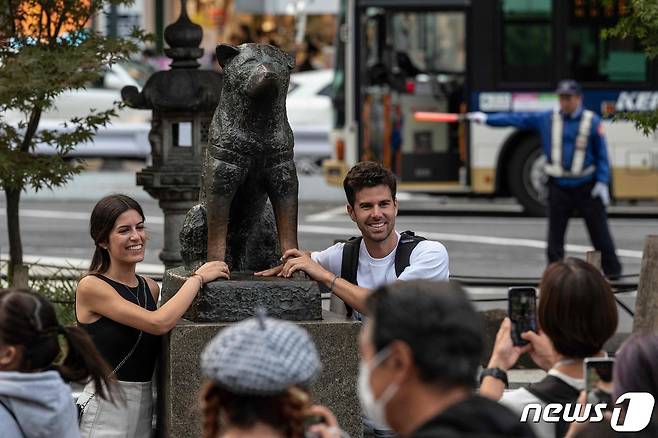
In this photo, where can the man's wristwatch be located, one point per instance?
(496, 373)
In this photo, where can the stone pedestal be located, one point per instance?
(180, 379)
(236, 299)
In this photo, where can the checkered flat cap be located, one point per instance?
(261, 356)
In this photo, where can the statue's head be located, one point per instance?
(259, 71)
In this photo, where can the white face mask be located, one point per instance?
(374, 409)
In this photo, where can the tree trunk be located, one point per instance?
(17, 272)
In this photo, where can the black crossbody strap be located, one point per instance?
(554, 390)
(82, 407)
(142, 287)
(20, 428)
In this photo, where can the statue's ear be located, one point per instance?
(226, 52)
(290, 61)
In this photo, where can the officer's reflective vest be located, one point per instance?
(554, 168)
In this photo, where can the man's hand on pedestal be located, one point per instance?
(269, 272)
(296, 260)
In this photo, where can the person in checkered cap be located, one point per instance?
(260, 371)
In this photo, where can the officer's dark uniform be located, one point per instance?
(573, 171)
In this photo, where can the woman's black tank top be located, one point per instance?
(114, 341)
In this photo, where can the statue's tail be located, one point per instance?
(194, 238)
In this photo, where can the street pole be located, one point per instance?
(646, 304)
(113, 21)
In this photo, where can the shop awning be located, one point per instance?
(287, 7)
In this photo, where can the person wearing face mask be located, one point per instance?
(577, 168)
(420, 352)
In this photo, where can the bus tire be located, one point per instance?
(526, 178)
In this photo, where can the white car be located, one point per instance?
(125, 136)
(310, 117)
(308, 105)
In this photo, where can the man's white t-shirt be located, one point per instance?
(428, 261)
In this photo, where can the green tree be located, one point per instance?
(47, 47)
(641, 24)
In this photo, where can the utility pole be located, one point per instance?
(113, 21)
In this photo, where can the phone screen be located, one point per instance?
(598, 379)
(522, 312)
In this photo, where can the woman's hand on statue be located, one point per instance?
(212, 271)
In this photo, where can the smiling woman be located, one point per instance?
(118, 309)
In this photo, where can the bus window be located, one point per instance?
(590, 58)
(412, 61)
(527, 40)
(432, 42)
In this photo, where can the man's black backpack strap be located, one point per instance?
(554, 390)
(350, 264)
(408, 241)
(350, 261)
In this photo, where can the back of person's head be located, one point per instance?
(636, 365)
(28, 324)
(260, 371)
(636, 370)
(577, 308)
(103, 217)
(437, 322)
(367, 174)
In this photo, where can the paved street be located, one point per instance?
(55, 225)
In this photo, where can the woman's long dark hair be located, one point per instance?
(28, 322)
(103, 217)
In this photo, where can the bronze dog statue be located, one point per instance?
(248, 160)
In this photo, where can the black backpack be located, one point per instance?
(554, 390)
(350, 262)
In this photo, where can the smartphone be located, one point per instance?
(309, 421)
(522, 311)
(598, 379)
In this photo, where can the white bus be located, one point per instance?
(397, 57)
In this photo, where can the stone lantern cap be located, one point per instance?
(184, 87)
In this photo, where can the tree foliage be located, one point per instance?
(641, 24)
(46, 48)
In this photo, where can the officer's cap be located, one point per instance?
(568, 86)
(261, 356)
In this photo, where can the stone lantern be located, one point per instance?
(182, 101)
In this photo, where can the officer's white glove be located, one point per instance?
(601, 190)
(477, 117)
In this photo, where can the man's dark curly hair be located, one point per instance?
(367, 174)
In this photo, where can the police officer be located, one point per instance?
(577, 166)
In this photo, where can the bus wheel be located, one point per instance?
(526, 177)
